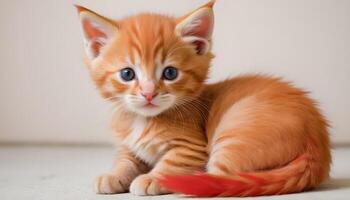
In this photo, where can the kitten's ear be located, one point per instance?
(98, 31)
(197, 27)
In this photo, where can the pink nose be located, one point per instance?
(149, 95)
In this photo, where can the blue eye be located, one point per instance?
(127, 74)
(170, 73)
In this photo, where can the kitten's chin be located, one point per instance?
(150, 111)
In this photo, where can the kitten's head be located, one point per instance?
(149, 63)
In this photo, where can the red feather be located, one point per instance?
(278, 181)
(203, 185)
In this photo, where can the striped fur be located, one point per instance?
(247, 136)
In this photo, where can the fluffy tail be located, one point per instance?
(301, 174)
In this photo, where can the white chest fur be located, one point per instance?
(137, 128)
(141, 146)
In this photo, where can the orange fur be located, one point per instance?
(252, 135)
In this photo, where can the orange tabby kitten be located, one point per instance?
(247, 136)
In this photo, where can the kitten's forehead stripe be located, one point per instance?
(157, 48)
(134, 48)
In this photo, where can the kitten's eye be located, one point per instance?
(127, 74)
(170, 73)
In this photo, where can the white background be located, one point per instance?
(47, 96)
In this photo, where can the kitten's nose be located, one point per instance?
(148, 90)
(149, 95)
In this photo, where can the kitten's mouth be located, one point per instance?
(150, 105)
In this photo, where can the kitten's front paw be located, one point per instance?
(110, 184)
(147, 184)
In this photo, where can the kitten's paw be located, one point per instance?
(146, 184)
(110, 184)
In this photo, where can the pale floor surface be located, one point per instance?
(67, 173)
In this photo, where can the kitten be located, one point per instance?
(247, 136)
